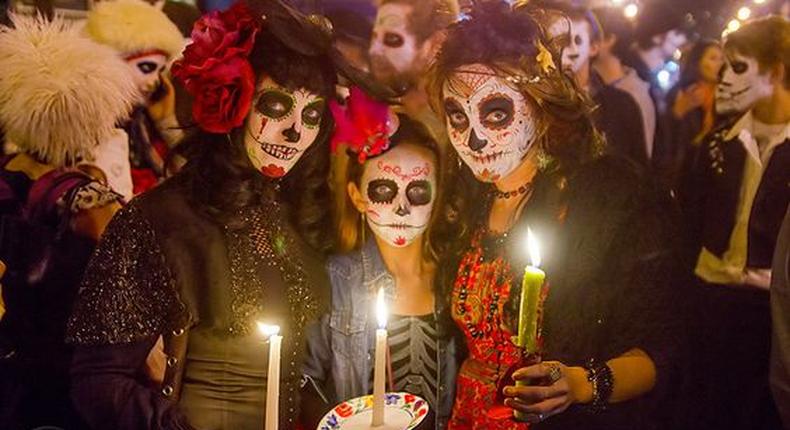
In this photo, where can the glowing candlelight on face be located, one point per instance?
(379, 374)
(271, 332)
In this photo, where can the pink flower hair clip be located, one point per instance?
(364, 125)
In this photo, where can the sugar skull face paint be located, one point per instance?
(399, 188)
(146, 70)
(281, 126)
(394, 50)
(742, 84)
(490, 124)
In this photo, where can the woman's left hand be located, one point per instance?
(549, 388)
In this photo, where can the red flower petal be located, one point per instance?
(361, 125)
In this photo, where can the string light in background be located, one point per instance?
(744, 13)
(631, 11)
(664, 78)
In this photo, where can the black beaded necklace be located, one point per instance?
(525, 188)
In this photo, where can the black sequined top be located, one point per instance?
(164, 267)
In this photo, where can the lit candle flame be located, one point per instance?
(533, 248)
(381, 309)
(268, 330)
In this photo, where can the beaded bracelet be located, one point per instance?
(602, 380)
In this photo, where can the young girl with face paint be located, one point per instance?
(524, 132)
(236, 238)
(386, 217)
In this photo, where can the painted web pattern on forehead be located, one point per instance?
(474, 79)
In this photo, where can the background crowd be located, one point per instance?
(172, 172)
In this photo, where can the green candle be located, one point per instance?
(528, 329)
(531, 287)
(528, 318)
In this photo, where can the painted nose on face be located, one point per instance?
(475, 143)
(291, 135)
(402, 210)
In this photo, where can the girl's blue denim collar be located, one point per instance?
(375, 274)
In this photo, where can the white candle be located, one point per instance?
(379, 369)
(273, 376)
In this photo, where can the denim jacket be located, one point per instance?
(340, 349)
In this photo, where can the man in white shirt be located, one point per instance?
(734, 207)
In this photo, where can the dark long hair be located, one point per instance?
(507, 41)
(690, 73)
(225, 181)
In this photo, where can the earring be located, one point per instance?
(545, 160)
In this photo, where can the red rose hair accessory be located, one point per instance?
(216, 70)
(364, 125)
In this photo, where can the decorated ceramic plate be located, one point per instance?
(402, 411)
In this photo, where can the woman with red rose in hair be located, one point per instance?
(165, 321)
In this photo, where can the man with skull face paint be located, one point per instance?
(617, 115)
(406, 35)
(147, 41)
(236, 237)
(734, 201)
(524, 131)
(393, 194)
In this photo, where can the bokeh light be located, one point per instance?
(631, 11)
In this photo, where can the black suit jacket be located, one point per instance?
(712, 191)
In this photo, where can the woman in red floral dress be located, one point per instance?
(517, 123)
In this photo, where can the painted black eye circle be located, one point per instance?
(382, 190)
(458, 119)
(577, 40)
(274, 104)
(497, 111)
(393, 40)
(148, 67)
(739, 67)
(311, 115)
(455, 115)
(419, 193)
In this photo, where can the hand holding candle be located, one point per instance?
(273, 376)
(531, 304)
(379, 374)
